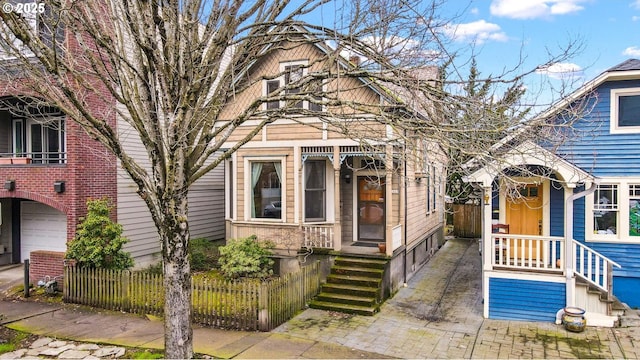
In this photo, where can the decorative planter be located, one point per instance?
(382, 247)
(573, 319)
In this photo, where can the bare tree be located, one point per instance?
(169, 68)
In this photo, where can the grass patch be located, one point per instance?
(144, 354)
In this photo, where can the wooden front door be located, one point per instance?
(371, 208)
(524, 212)
(524, 216)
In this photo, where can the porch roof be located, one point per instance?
(529, 153)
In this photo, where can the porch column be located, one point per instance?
(337, 227)
(388, 191)
(488, 248)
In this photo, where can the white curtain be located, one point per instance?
(256, 170)
(278, 166)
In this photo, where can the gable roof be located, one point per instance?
(626, 70)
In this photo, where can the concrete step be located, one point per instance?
(365, 291)
(350, 309)
(364, 301)
(361, 262)
(357, 271)
(364, 281)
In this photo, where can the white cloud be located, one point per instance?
(477, 31)
(561, 70)
(635, 18)
(632, 51)
(636, 4)
(475, 11)
(530, 9)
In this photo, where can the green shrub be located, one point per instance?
(203, 254)
(98, 242)
(246, 257)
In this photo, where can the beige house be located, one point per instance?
(334, 187)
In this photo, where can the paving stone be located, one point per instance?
(37, 351)
(14, 354)
(90, 357)
(74, 354)
(57, 344)
(83, 347)
(41, 342)
(57, 350)
(113, 352)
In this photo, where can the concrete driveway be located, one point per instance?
(439, 315)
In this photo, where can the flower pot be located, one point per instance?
(382, 247)
(573, 319)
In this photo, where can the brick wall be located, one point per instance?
(45, 263)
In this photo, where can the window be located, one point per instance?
(625, 110)
(634, 209)
(266, 194)
(293, 72)
(605, 210)
(32, 130)
(41, 20)
(315, 190)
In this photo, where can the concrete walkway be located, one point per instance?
(438, 315)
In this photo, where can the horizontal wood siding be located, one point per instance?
(578, 217)
(288, 132)
(206, 213)
(594, 149)
(527, 300)
(556, 210)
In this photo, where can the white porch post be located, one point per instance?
(488, 249)
(337, 227)
(388, 164)
(569, 252)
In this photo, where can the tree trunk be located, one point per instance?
(178, 334)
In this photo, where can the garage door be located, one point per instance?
(42, 228)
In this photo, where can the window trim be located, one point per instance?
(622, 232)
(614, 108)
(248, 190)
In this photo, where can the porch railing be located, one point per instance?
(527, 252)
(33, 158)
(593, 267)
(318, 236)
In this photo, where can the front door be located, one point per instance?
(524, 216)
(371, 208)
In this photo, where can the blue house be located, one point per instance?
(561, 227)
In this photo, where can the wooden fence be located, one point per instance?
(228, 304)
(467, 220)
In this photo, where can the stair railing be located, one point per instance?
(594, 267)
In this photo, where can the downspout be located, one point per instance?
(568, 234)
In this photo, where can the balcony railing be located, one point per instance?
(527, 252)
(33, 158)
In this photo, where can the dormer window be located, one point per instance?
(293, 72)
(625, 110)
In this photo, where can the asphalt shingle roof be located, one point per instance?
(631, 64)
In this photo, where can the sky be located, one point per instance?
(500, 32)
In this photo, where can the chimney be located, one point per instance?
(355, 59)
